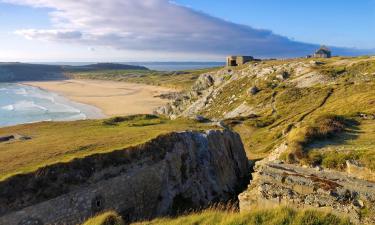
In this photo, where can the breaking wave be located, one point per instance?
(24, 104)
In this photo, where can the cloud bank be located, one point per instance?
(161, 26)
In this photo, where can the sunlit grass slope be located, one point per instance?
(53, 142)
(274, 216)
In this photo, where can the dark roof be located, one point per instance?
(323, 50)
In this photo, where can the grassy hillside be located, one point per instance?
(11, 72)
(53, 142)
(275, 216)
(180, 80)
(286, 109)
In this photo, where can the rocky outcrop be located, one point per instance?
(189, 103)
(276, 183)
(170, 174)
(242, 110)
(209, 85)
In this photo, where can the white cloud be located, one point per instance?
(156, 25)
(50, 34)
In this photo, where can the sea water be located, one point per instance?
(26, 104)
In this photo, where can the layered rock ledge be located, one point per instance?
(275, 183)
(167, 175)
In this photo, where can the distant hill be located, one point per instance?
(105, 66)
(11, 72)
(14, 71)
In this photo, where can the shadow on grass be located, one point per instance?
(351, 132)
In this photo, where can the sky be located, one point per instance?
(181, 30)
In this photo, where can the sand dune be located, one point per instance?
(113, 98)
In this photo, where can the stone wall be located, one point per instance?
(170, 174)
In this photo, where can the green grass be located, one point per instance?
(355, 144)
(323, 127)
(281, 107)
(181, 80)
(108, 218)
(274, 216)
(53, 142)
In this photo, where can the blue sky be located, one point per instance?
(348, 23)
(133, 30)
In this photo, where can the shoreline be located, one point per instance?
(90, 111)
(110, 98)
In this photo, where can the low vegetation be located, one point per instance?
(108, 218)
(323, 127)
(181, 80)
(53, 142)
(274, 216)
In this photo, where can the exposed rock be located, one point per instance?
(253, 90)
(6, 138)
(283, 75)
(285, 184)
(367, 116)
(204, 81)
(242, 110)
(309, 80)
(201, 119)
(170, 174)
(316, 63)
(169, 95)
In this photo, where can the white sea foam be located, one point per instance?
(20, 91)
(60, 107)
(24, 104)
(48, 97)
(8, 107)
(28, 105)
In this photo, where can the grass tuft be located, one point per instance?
(107, 218)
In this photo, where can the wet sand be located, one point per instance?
(113, 98)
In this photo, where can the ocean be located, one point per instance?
(26, 104)
(21, 104)
(159, 66)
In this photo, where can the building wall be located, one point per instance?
(238, 60)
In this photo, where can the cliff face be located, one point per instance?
(275, 183)
(169, 174)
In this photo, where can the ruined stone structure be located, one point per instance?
(238, 60)
(322, 52)
(167, 175)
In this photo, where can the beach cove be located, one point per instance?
(111, 97)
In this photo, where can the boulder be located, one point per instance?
(283, 75)
(253, 90)
(6, 138)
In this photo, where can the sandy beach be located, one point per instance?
(113, 98)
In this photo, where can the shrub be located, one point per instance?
(337, 160)
(326, 126)
(119, 119)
